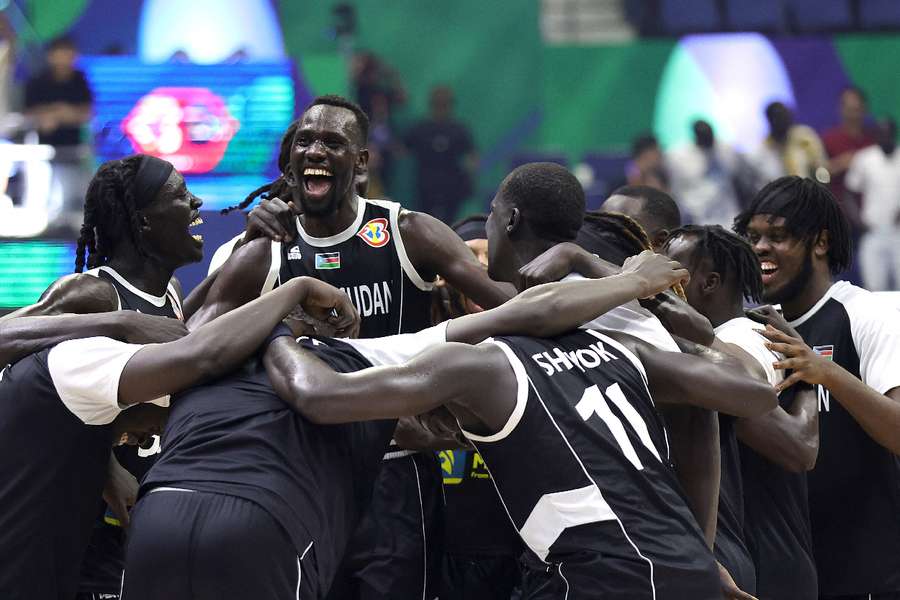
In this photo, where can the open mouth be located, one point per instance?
(198, 220)
(317, 182)
(769, 269)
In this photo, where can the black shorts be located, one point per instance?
(205, 546)
(476, 577)
(396, 550)
(876, 596)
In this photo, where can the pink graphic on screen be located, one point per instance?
(190, 127)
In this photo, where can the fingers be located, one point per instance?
(262, 223)
(794, 378)
(777, 335)
(789, 350)
(789, 363)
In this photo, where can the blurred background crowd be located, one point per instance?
(705, 99)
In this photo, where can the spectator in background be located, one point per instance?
(789, 149)
(59, 100)
(875, 174)
(445, 157)
(703, 176)
(646, 166)
(843, 142)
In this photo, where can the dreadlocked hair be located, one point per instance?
(808, 208)
(622, 237)
(279, 187)
(731, 256)
(110, 213)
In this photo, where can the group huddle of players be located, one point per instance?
(643, 438)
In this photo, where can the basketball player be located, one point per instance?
(237, 460)
(654, 209)
(569, 432)
(850, 339)
(386, 259)
(59, 409)
(136, 232)
(782, 444)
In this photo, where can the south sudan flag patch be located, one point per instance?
(328, 260)
(826, 352)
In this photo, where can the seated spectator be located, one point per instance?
(789, 149)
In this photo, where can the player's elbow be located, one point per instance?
(759, 396)
(310, 400)
(801, 459)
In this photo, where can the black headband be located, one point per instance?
(152, 174)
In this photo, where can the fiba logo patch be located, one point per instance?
(375, 233)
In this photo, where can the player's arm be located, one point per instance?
(712, 380)
(434, 249)
(553, 308)
(678, 317)
(694, 438)
(78, 294)
(213, 349)
(237, 282)
(789, 438)
(444, 374)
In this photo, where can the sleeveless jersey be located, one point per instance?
(583, 470)
(104, 559)
(52, 470)
(368, 261)
(235, 436)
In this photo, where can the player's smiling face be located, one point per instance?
(324, 159)
(167, 224)
(784, 259)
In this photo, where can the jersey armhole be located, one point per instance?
(272, 277)
(95, 272)
(523, 385)
(408, 268)
(625, 351)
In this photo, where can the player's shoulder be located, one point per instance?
(866, 310)
(80, 293)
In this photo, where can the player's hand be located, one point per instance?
(656, 272)
(798, 357)
(730, 590)
(139, 328)
(120, 491)
(274, 219)
(554, 264)
(767, 315)
(325, 302)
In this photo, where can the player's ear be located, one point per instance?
(711, 282)
(362, 161)
(289, 178)
(514, 222)
(822, 244)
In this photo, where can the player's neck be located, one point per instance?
(723, 310)
(526, 251)
(334, 223)
(145, 274)
(807, 298)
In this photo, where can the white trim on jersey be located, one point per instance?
(394, 213)
(808, 314)
(556, 512)
(339, 237)
(300, 569)
(424, 535)
(625, 351)
(222, 254)
(274, 274)
(95, 272)
(158, 301)
(521, 398)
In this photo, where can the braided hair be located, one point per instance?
(731, 256)
(110, 213)
(619, 236)
(279, 187)
(808, 208)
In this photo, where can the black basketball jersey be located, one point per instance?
(776, 525)
(104, 559)
(235, 436)
(52, 470)
(854, 490)
(583, 470)
(731, 549)
(368, 261)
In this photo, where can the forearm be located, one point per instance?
(694, 437)
(198, 295)
(878, 414)
(22, 336)
(209, 351)
(548, 309)
(787, 438)
(681, 319)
